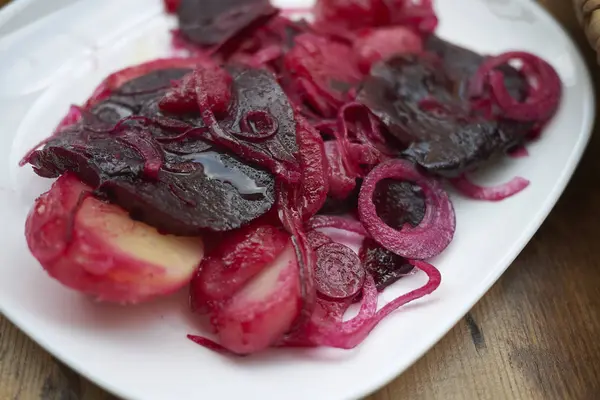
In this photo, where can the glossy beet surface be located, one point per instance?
(420, 102)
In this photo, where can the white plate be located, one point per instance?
(141, 352)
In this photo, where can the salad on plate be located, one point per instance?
(282, 169)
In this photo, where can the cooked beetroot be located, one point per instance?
(187, 194)
(462, 64)
(260, 125)
(339, 273)
(129, 98)
(448, 139)
(117, 79)
(379, 44)
(383, 265)
(235, 262)
(399, 202)
(213, 23)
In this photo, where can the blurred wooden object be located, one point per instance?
(535, 335)
(588, 14)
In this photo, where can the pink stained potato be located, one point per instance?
(258, 315)
(96, 248)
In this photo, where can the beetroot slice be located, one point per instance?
(493, 193)
(435, 231)
(260, 126)
(399, 202)
(339, 273)
(119, 78)
(210, 22)
(384, 266)
(447, 139)
(234, 262)
(184, 194)
(182, 99)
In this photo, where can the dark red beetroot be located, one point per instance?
(413, 96)
(117, 79)
(384, 266)
(177, 193)
(235, 261)
(398, 203)
(182, 99)
(324, 70)
(339, 274)
(129, 98)
(260, 125)
(215, 23)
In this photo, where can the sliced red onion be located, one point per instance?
(493, 193)
(435, 231)
(349, 334)
(291, 218)
(545, 88)
(330, 221)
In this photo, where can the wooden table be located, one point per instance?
(535, 335)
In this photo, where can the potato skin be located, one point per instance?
(95, 248)
(258, 315)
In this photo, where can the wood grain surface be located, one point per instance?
(535, 335)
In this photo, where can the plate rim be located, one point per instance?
(393, 370)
